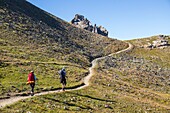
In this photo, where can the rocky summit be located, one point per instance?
(84, 23)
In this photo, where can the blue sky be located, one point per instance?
(124, 19)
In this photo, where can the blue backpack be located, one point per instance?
(62, 73)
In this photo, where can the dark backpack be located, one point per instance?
(63, 73)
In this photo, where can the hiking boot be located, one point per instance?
(32, 93)
(62, 89)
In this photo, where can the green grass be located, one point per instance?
(113, 88)
(15, 77)
(118, 85)
(156, 55)
(99, 97)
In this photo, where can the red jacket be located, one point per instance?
(31, 77)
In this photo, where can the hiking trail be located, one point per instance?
(12, 100)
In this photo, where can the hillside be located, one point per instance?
(26, 25)
(133, 81)
(32, 39)
(128, 82)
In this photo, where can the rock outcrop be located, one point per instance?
(84, 23)
(161, 42)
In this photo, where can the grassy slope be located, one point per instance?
(120, 84)
(32, 39)
(160, 56)
(26, 25)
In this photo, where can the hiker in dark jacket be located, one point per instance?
(62, 73)
(31, 80)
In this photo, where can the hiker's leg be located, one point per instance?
(33, 87)
(63, 87)
(64, 84)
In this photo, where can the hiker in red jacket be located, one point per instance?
(31, 80)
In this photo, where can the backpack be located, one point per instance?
(63, 73)
(31, 77)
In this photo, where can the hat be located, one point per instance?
(32, 71)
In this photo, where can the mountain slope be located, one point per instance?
(126, 82)
(32, 39)
(29, 25)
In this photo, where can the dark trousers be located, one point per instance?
(63, 81)
(32, 87)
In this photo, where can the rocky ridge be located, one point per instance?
(84, 23)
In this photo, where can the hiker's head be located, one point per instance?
(63, 69)
(32, 71)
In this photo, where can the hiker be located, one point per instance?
(62, 73)
(31, 80)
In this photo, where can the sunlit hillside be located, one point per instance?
(136, 79)
(32, 39)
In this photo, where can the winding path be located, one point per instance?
(11, 100)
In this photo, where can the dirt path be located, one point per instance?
(12, 100)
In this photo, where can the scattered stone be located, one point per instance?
(28, 112)
(65, 108)
(13, 86)
(51, 87)
(109, 85)
(23, 100)
(88, 100)
(107, 106)
(8, 94)
(78, 108)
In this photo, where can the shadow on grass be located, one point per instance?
(67, 88)
(76, 86)
(94, 98)
(67, 103)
